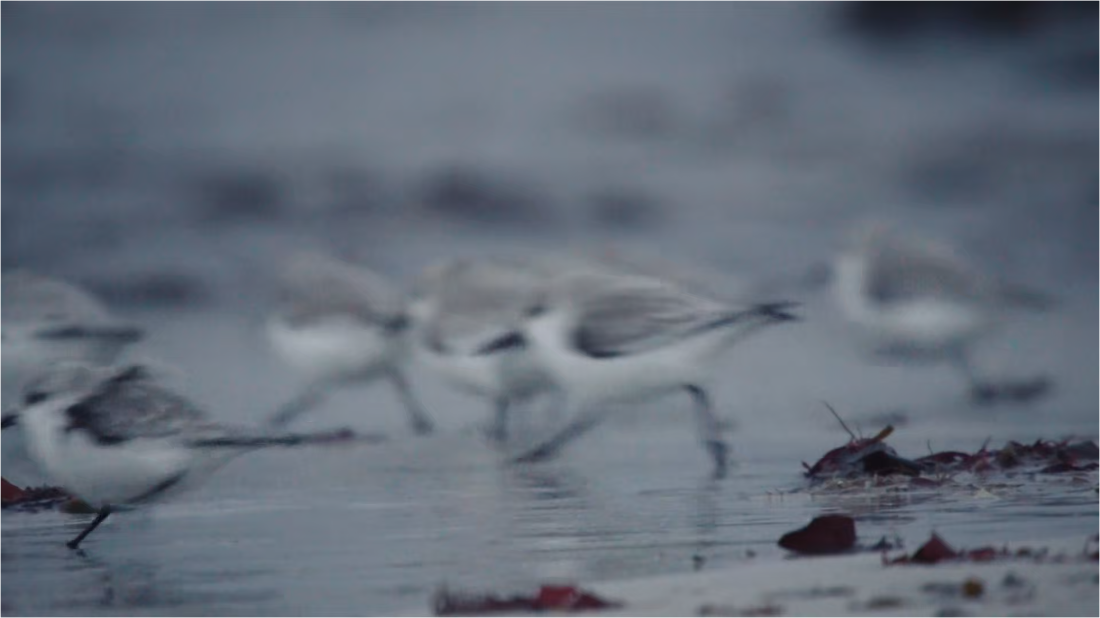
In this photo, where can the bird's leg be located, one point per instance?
(710, 429)
(981, 391)
(498, 428)
(418, 418)
(309, 398)
(103, 513)
(555, 407)
(576, 428)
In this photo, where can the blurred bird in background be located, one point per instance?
(915, 299)
(339, 324)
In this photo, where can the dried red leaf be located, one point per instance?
(32, 498)
(9, 492)
(826, 534)
(982, 554)
(935, 550)
(548, 598)
(569, 598)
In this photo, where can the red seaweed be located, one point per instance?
(826, 534)
(557, 598)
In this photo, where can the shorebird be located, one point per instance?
(606, 338)
(461, 305)
(340, 324)
(918, 300)
(115, 438)
(45, 321)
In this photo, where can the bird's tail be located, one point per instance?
(776, 311)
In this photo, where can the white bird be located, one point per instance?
(917, 299)
(340, 324)
(461, 305)
(46, 321)
(607, 338)
(115, 438)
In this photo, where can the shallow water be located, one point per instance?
(376, 529)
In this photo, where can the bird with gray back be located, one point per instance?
(116, 438)
(339, 324)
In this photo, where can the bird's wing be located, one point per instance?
(129, 405)
(476, 301)
(31, 298)
(627, 319)
(315, 287)
(903, 273)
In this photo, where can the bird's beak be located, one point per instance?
(10, 419)
(508, 341)
(780, 311)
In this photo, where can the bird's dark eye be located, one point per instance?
(536, 310)
(34, 397)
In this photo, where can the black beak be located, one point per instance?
(10, 419)
(120, 334)
(508, 341)
(780, 311)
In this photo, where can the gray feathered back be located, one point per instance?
(315, 286)
(29, 298)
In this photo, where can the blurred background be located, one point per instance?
(167, 156)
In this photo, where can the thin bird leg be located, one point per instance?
(498, 428)
(579, 426)
(980, 391)
(303, 402)
(103, 513)
(418, 418)
(555, 408)
(710, 429)
(962, 362)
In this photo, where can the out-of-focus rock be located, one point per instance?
(635, 113)
(463, 193)
(624, 209)
(230, 197)
(887, 20)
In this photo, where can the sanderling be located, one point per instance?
(45, 321)
(461, 305)
(340, 324)
(113, 437)
(917, 299)
(607, 338)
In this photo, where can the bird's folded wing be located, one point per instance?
(129, 407)
(630, 320)
(907, 273)
(316, 287)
